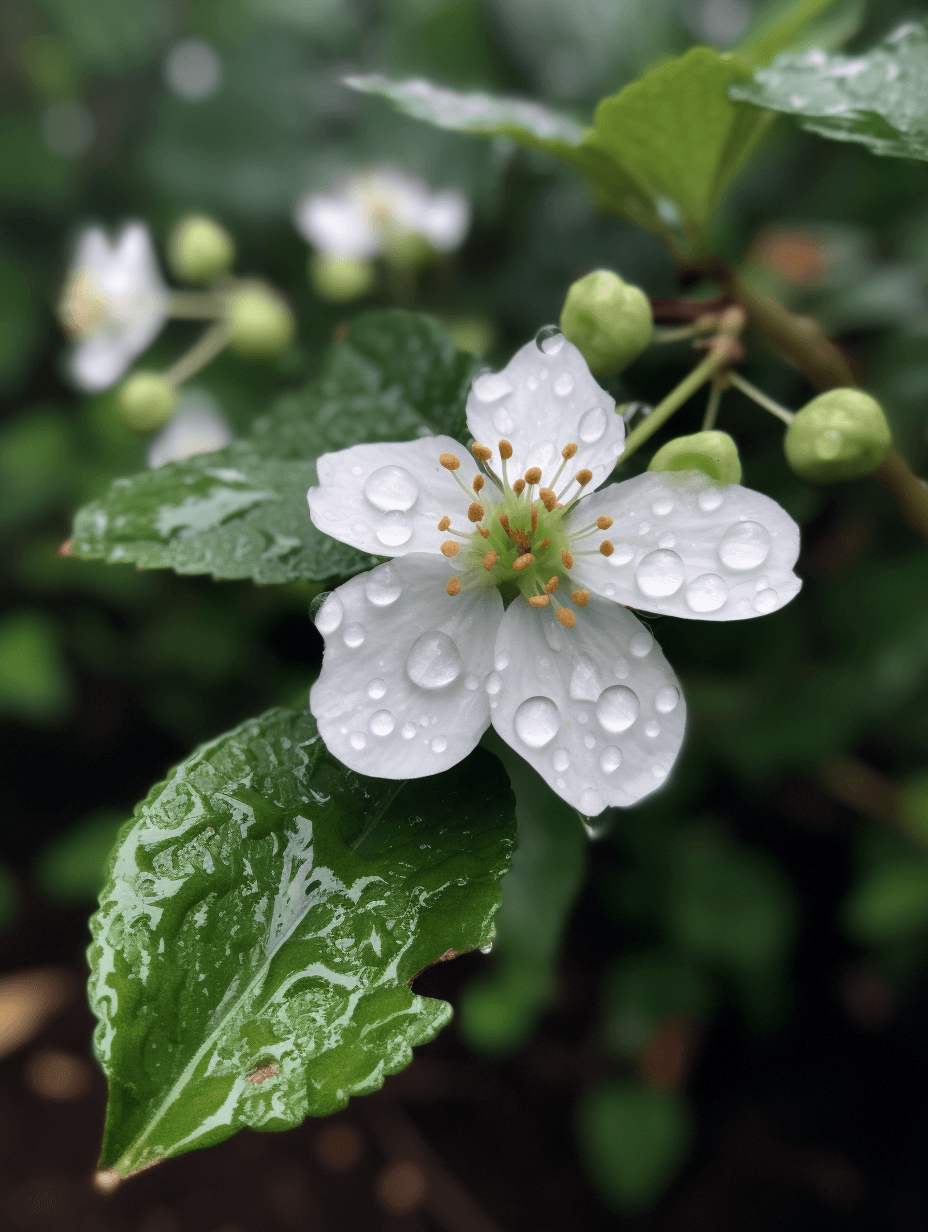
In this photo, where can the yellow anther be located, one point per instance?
(568, 451)
(567, 559)
(519, 487)
(523, 562)
(551, 587)
(481, 452)
(484, 533)
(539, 600)
(545, 543)
(547, 498)
(444, 523)
(475, 511)
(580, 597)
(606, 548)
(583, 477)
(490, 559)
(604, 523)
(450, 548)
(449, 461)
(478, 482)
(504, 522)
(566, 617)
(505, 450)
(453, 586)
(533, 474)
(534, 519)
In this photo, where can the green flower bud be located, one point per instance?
(607, 320)
(840, 435)
(199, 250)
(260, 321)
(146, 401)
(713, 453)
(340, 279)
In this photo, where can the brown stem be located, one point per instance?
(909, 492)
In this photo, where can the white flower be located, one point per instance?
(198, 427)
(506, 606)
(374, 208)
(113, 304)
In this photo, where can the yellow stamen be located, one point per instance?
(523, 562)
(534, 519)
(533, 474)
(450, 548)
(545, 543)
(484, 533)
(551, 587)
(566, 617)
(449, 461)
(505, 450)
(583, 477)
(504, 522)
(453, 586)
(604, 523)
(475, 512)
(547, 498)
(444, 523)
(481, 452)
(580, 597)
(606, 548)
(569, 451)
(490, 559)
(478, 482)
(539, 600)
(567, 559)
(519, 487)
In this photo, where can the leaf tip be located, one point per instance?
(106, 1180)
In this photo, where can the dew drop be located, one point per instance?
(706, 593)
(542, 454)
(357, 740)
(383, 586)
(491, 386)
(382, 723)
(537, 721)
(394, 528)
(360, 529)
(543, 668)
(563, 385)
(667, 541)
(591, 803)
(532, 383)
(549, 339)
(652, 729)
(471, 683)
(610, 759)
(560, 784)
(620, 671)
(391, 487)
(660, 574)
(434, 661)
(409, 730)
(357, 470)
(501, 662)
(666, 698)
(376, 688)
(622, 555)
(553, 636)
(354, 635)
(617, 709)
(439, 744)
(659, 773)
(644, 528)
(487, 949)
(590, 742)
(584, 685)
(640, 644)
(766, 601)
(493, 683)
(662, 507)
(744, 545)
(608, 590)
(326, 612)
(560, 760)
(710, 499)
(592, 424)
(502, 420)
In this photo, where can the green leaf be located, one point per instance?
(890, 902)
(73, 867)
(499, 1011)
(877, 99)
(633, 1141)
(242, 512)
(34, 680)
(789, 23)
(266, 912)
(641, 990)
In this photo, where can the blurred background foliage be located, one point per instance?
(777, 889)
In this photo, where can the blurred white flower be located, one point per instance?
(113, 304)
(193, 70)
(375, 209)
(198, 427)
(520, 618)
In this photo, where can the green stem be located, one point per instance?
(195, 306)
(758, 396)
(199, 355)
(712, 406)
(680, 333)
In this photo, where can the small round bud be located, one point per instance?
(840, 435)
(199, 250)
(260, 321)
(146, 401)
(341, 279)
(608, 321)
(713, 453)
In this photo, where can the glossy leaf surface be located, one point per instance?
(265, 913)
(241, 512)
(879, 99)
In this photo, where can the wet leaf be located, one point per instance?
(877, 99)
(242, 512)
(265, 914)
(797, 24)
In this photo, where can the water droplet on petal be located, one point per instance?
(652, 729)
(584, 685)
(501, 662)
(560, 760)
(663, 506)
(354, 635)
(383, 586)
(640, 643)
(706, 593)
(564, 385)
(376, 689)
(409, 730)
(610, 759)
(560, 784)
(644, 528)
(553, 636)
(439, 744)
(391, 487)
(591, 803)
(382, 723)
(622, 555)
(357, 740)
(592, 424)
(620, 671)
(709, 499)
(502, 420)
(537, 721)
(617, 709)
(660, 574)
(659, 772)
(434, 661)
(471, 682)
(766, 601)
(491, 386)
(493, 683)
(542, 454)
(394, 528)
(326, 612)
(667, 541)
(744, 545)
(590, 742)
(549, 339)
(666, 698)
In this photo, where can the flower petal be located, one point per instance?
(388, 498)
(541, 401)
(595, 709)
(99, 362)
(401, 693)
(687, 547)
(336, 224)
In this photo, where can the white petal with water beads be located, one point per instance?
(402, 689)
(595, 709)
(684, 546)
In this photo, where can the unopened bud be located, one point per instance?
(199, 250)
(260, 321)
(146, 401)
(840, 435)
(607, 320)
(340, 279)
(713, 453)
